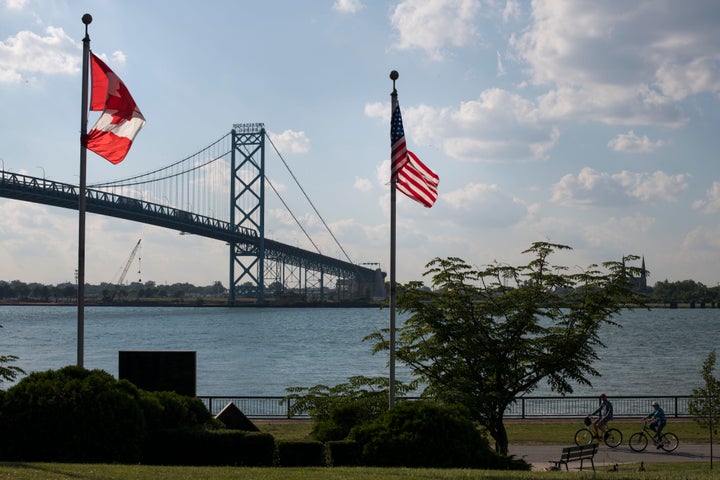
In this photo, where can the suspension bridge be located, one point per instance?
(218, 193)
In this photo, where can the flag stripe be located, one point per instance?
(397, 139)
(111, 147)
(418, 182)
(121, 120)
(412, 177)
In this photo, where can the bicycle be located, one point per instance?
(611, 436)
(639, 441)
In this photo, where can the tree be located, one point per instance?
(9, 373)
(705, 404)
(483, 337)
(336, 410)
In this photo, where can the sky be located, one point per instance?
(583, 123)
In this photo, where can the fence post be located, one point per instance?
(522, 408)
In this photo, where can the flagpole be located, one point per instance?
(393, 180)
(86, 19)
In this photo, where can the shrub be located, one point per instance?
(301, 454)
(342, 417)
(343, 453)
(203, 447)
(423, 434)
(72, 415)
(336, 410)
(77, 415)
(170, 410)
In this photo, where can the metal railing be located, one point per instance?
(523, 408)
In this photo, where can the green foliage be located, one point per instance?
(336, 410)
(705, 404)
(164, 410)
(422, 434)
(343, 453)
(9, 373)
(482, 337)
(184, 446)
(684, 291)
(72, 414)
(301, 454)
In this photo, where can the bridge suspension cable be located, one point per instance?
(310, 202)
(200, 183)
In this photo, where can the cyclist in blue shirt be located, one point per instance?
(604, 411)
(658, 422)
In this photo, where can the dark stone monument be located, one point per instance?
(234, 419)
(158, 371)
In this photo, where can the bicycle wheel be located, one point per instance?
(670, 442)
(638, 442)
(583, 437)
(613, 437)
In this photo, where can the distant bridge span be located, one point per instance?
(356, 280)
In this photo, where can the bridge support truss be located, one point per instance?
(247, 209)
(263, 267)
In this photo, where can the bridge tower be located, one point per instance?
(247, 209)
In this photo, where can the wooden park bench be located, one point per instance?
(577, 453)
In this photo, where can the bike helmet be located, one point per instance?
(655, 404)
(603, 396)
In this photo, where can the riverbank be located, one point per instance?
(198, 303)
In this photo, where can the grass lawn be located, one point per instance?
(56, 471)
(536, 431)
(530, 431)
(519, 432)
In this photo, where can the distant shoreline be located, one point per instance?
(216, 304)
(199, 304)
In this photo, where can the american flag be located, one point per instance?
(397, 139)
(413, 178)
(417, 181)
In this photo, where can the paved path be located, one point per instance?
(540, 456)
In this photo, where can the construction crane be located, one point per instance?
(125, 270)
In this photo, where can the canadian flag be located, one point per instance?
(121, 120)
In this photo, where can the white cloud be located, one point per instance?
(116, 60)
(615, 64)
(348, 6)
(631, 142)
(618, 233)
(703, 242)
(657, 186)
(500, 67)
(119, 58)
(382, 172)
(29, 53)
(291, 141)
(481, 204)
(498, 127)
(712, 204)
(363, 184)
(511, 10)
(592, 188)
(432, 25)
(15, 4)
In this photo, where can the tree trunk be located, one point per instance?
(498, 432)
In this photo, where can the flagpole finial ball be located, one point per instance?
(394, 75)
(87, 19)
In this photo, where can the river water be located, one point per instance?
(261, 351)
